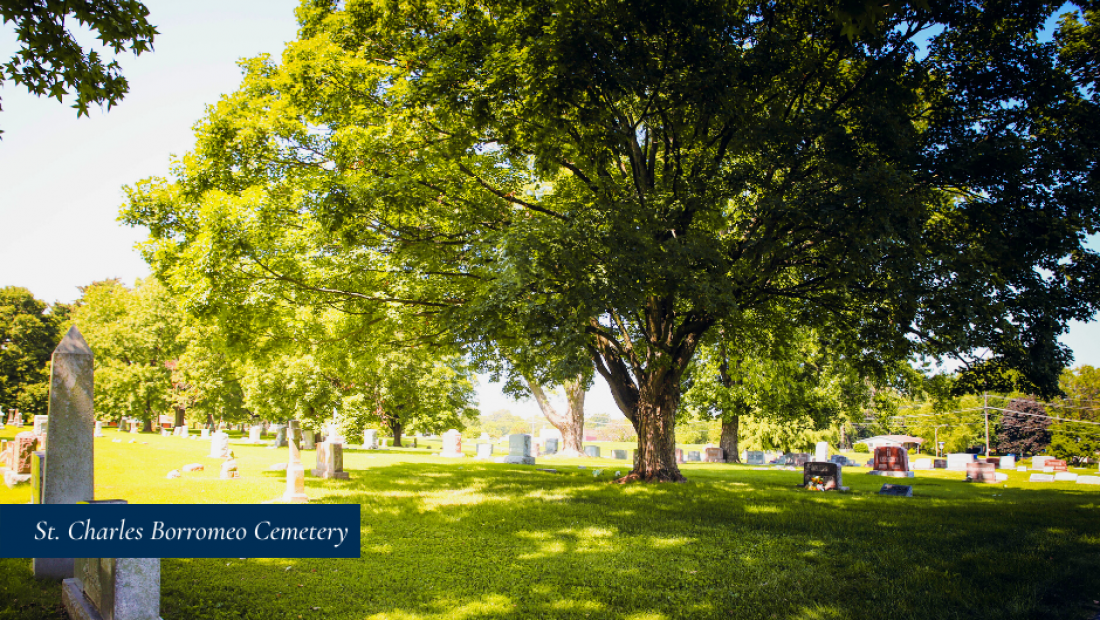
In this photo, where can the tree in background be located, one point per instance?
(50, 61)
(623, 177)
(29, 331)
(1076, 440)
(1024, 429)
(206, 380)
(135, 335)
(501, 423)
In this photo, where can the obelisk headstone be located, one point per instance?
(295, 472)
(69, 475)
(113, 589)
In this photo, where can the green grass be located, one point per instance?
(468, 539)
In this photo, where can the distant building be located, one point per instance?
(898, 441)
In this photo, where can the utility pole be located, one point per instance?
(985, 410)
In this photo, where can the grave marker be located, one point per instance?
(295, 472)
(1041, 478)
(892, 461)
(693, 456)
(619, 455)
(484, 450)
(452, 444)
(821, 451)
(113, 589)
(897, 490)
(755, 457)
(519, 450)
(830, 474)
(981, 472)
(714, 454)
(593, 451)
(1065, 476)
(370, 439)
(959, 460)
(551, 445)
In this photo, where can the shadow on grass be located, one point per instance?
(501, 541)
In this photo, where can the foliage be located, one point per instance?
(51, 62)
(1070, 440)
(499, 423)
(135, 335)
(207, 376)
(620, 178)
(1023, 430)
(29, 332)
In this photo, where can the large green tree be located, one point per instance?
(29, 332)
(619, 177)
(134, 334)
(1078, 439)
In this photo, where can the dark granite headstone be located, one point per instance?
(830, 474)
(897, 490)
(940, 463)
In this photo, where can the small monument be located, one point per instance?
(484, 450)
(370, 439)
(204, 433)
(714, 454)
(40, 422)
(593, 451)
(619, 455)
(219, 445)
(892, 461)
(1039, 462)
(829, 476)
(693, 456)
(309, 439)
(821, 451)
(959, 460)
(295, 472)
(981, 472)
(519, 450)
(98, 429)
(452, 444)
(113, 589)
(551, 445)
(1006, 462)
(755, 457)
(280, 436)
(68, 476)
(255, 434)
(330, 461)
(679, 455)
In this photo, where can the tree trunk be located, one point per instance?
(148, 428)
(655, 422)
(396, 427)
(210, 421)
(179, 417)
(571, 423)
(728, 441)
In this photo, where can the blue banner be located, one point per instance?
(179, 531)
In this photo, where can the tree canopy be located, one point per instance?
(51, 62)
(29, 332)
(618, 178)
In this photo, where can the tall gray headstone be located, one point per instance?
(69, 472)
(295, 472)
(370, 439)
(113, 589)
(519, 450)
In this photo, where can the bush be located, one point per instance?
(860, 447)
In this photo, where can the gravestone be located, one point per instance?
(801, 459)
(831, 475)
(897, 490)
(40, 423)
(922, 464)
(892, 461)
(714, 454)
(959, 461)
(1056, 465)
(821, 451)
(309, 439)
(17, 455)
(383, 443)
(280, 436)
(484, 450)
(185, 431)
(981, 472)
(551, 445)
(452, 444)
(939, 463)
(370, 439)
(330, 461)
(68, 476)
(113, 589)
(1006, 462)
(618, 455)
(693, 456)
(1065, 476)
(295, 472)
(519, 450)
(255, 434)
(204, 433)
(679, 455)
(593, 451)
(755, 457)
(1041, 478)
(1088, 479)
(1039, 462)
(219, 445)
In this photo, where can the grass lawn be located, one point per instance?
(467, 539)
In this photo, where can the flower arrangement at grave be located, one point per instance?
(817, 483)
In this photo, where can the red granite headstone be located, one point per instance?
(891, 458)
(1056, 465)
(981, 472)
(714, 455)
(20, 451)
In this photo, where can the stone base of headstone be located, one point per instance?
(518, 460)
(128, 589)
(324, 473)
(12, 479)
(891, 474)
(452, 455)
(52, 568)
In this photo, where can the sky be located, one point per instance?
(61, 177)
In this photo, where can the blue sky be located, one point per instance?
(61, 178)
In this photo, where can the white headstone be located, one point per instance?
(40, 422)
(1065, 476)
(923, 464)
(452, 444)
(295, 472)
(1007, 462)
(98, 429)
(255, 434)
(204, 433)
(1041, 478)
(370, 439)
(1088, 479)
(959, 460)
(219, 446)
(484, 450)
(821, 451)
(1039, 462)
